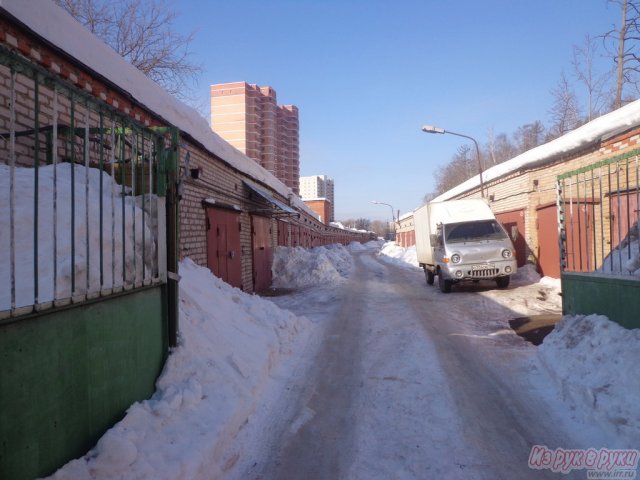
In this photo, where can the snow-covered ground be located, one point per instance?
(589, 359)
(237, 353)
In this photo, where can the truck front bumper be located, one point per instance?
(488, 271)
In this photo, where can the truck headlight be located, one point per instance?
(506, 253)
(455, 258)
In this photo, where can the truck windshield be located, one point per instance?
(473, 231)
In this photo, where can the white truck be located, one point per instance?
(461, 240)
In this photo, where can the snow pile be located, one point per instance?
(112, 240)
(625, 258)
(401, 256)
(229, 344)
(354, 247)
(525, 275)
(298, 267)
(593, 361)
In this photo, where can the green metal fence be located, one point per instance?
(83, 190)
(599, 232)
(598, 216)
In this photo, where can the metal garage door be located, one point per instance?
(548, 247)
(624, 215)
(513, 223)
(262, 252)
(579, 241)
(223, 245)
(283, 233)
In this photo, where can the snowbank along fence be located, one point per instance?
(597, 208)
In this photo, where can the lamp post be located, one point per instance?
(393, 218)
(432, 129)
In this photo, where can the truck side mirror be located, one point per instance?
(433, 238)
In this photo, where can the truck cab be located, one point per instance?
(475, 250)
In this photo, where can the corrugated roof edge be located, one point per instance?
(618, 121)
(58, 28)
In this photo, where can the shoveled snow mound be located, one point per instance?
(625, 259)
(229, 344)
(399, 255)
(298, 267)
(593, 361)
(356, 247)
(71, 183)
(525, 275)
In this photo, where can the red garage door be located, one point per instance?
(262, 254)
(283, 233)
(295, 235)
(624, 215)
(579, 241)
(548, 248)
(513, 223)
(223, 245)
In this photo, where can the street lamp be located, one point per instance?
(393, 218)
(432, 129)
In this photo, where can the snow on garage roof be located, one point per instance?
(618, 120)
(57, 27)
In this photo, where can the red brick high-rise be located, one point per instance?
(249, 118)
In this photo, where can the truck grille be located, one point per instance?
(488, 273)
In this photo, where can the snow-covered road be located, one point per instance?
(406, 382)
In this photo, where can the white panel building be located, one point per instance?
(318, 186)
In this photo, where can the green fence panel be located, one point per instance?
(69, 375)
(616, 297)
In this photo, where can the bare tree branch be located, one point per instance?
(622, 43)
(143, 32)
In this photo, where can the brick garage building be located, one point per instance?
(322, 207)
(522, 191)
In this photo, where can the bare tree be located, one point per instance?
(529, 136)
(499, 148)
(428, 197)
(585, 72)
(363, 224)
(623, 43)
(565, 111)
(143, 32)
(461, 167)
(380, 228)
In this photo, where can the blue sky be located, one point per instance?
(366, 75)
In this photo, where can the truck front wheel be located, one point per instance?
(445, 285)
(503, 282)
(430, 276)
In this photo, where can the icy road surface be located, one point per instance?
(406, 382)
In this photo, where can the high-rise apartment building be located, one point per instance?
(249, 118)
(318, 186)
